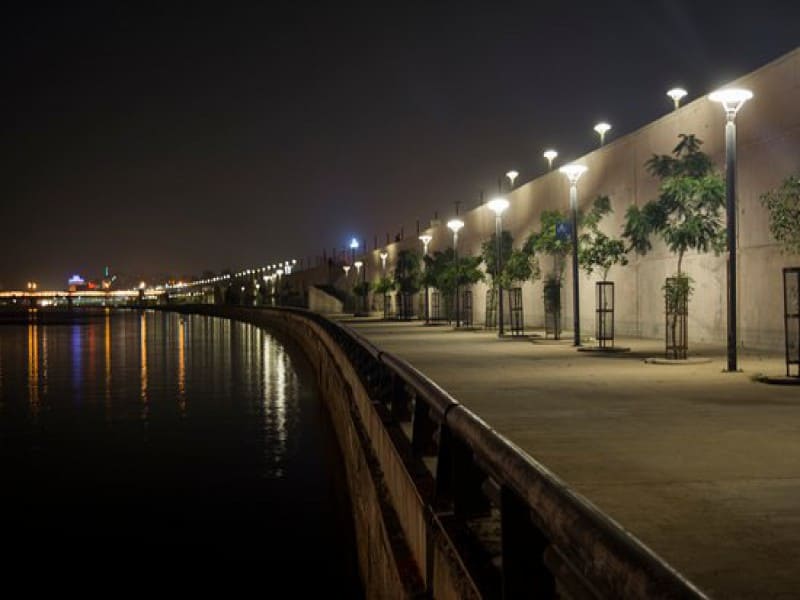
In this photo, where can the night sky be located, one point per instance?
(168, 140)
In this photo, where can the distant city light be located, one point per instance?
(76, 280)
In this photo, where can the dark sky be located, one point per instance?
(174, 139)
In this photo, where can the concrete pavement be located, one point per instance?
(703, 466)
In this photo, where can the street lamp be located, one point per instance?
(550, 155)
(425, 239)
(602, 129)
(358, 264)
(573, 173)
(346, 271)
(498, 206)
(512, 175)
(384, 255)
(677, 94)
(455, 225)
(353, 248)
(732, 100)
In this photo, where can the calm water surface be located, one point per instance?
(153, 438)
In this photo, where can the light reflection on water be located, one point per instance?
(185, 432)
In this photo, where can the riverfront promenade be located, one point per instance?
(703, 466)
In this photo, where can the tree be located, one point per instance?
(489, 252)
(551, 239)
(406, 272)
(442, 272)
(596, 250)
(519, 268)
(687, 215)
(783, 205)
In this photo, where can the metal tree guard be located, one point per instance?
(604, 314)
(677, 319)
(436, 306)
(552, 310)
(466, 308)
(517, 314)
(791, 318)
(490, 321)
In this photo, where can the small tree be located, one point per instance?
(383, 287)
(489, 253)
(687, 214)
(554, 240)
(783, 205)
(519, 268)
(596, 250)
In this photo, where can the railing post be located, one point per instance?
(468, 497)
(423, 430)
(398, 396)
(525, 574)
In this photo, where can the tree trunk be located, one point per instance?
(674, 324)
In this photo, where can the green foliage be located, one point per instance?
(517, 265)
(442, 272)
(519, 268)
(489, 252)
(406, 272)
(384, 286)
(596, 249)
(545, 241)
(688, 212)
(783, 205)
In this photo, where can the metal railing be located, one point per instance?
(519, 530)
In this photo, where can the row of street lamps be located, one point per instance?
(731, 99)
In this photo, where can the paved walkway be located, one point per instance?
(703, 466)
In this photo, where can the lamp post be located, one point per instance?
(550, 155)
(498, 206)
(455, 225)
(425, 239)
(573, 173)
(677, 94)
(384, 255)
(358, 264)
(602, 129)
(731, 100)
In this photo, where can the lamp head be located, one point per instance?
(512, 175)
(425, 238)
(677, 94)
(354, 243)
(550, 154)
(455, 224)
(602, 128)
(731, 99)
(384, 255)
(497, 205)
(573, 172)
(346, 269)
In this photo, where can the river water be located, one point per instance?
(170, 443)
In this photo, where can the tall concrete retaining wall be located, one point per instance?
(768, 151)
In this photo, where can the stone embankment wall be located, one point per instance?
(768, 128)
(402, 552)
